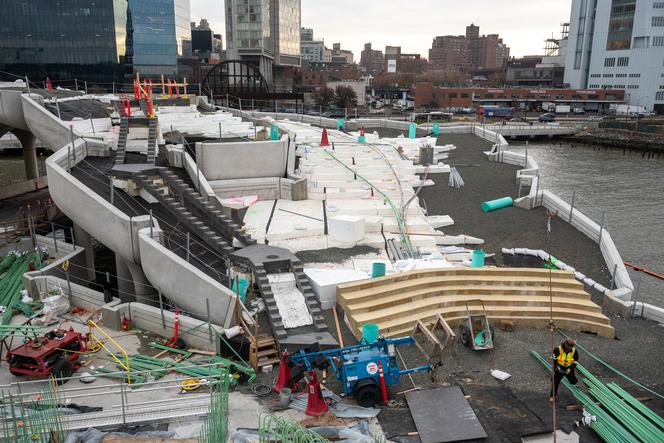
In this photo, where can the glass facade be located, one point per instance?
(159, 27)
(252, 24)
(621, 23)
(65, 39)
(289, 27)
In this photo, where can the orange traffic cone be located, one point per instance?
(316, 405)
(324, 141)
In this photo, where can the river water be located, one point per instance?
(628, 188)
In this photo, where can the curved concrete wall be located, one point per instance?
(95, 215)
(11, 110)
(43, 124)
(183, 283)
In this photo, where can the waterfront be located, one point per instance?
(627, 188)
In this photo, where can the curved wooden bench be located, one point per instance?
(524, 295)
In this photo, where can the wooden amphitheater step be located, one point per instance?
(396, 302)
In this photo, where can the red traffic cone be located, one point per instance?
(324, 141)
(316, 405)
(284, 377)
(49, 84)
(362, 133)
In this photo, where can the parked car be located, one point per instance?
(518, 120)
(547, 118)
(579, 111)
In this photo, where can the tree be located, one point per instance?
(345, 97)
(323, 97)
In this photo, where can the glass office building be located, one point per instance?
(159, 27)
(64, 39)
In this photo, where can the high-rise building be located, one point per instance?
(469, 52)
(618, 44)
(450, 54)
(159, 29)
(372, 60)
(310, 49)
(65, 40)
(265, 33)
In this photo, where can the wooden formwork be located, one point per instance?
(522, 295)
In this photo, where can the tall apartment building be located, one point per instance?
(465, 53)
(618, 44)
(265, 33)
(372, 60)
(310, 49)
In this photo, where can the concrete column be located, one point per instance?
(29, 153)
(125, 282)
(84, 240)
(132, 283)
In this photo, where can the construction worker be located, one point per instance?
(565, 358)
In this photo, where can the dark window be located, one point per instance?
(621, 23)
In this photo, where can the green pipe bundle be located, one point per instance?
(11, 281)
(610, 430)
(632, 418)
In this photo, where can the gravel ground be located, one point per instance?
(523, 399)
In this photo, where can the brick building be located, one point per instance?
(429, 96)
(405, 63)
(372, 60)
(466, 53)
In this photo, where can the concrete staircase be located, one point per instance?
(310, 299)
(122, 141)
(155, 186)
(278, 330)
(152, 141)
(206, 210)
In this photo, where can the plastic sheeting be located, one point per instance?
(559, 264)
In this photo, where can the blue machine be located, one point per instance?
(357, 366)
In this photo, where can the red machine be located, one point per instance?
(55, 353)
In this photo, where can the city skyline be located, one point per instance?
(523, 24)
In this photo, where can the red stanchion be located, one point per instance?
(284, 376)
(315, 402)
(383, 388)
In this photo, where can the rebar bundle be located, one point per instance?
(215, 428)
(272, 428)
(40, 420)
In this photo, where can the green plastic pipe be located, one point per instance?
(606, 365)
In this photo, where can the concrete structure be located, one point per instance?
(226, 161)
(618, 45)
(264, 32)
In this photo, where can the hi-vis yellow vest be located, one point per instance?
(565, 359)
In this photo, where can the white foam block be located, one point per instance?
(346, 228)
(324, 283)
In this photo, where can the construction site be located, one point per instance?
(192, 271)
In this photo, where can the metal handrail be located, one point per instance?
(125, 367)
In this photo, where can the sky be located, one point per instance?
(523, 24)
